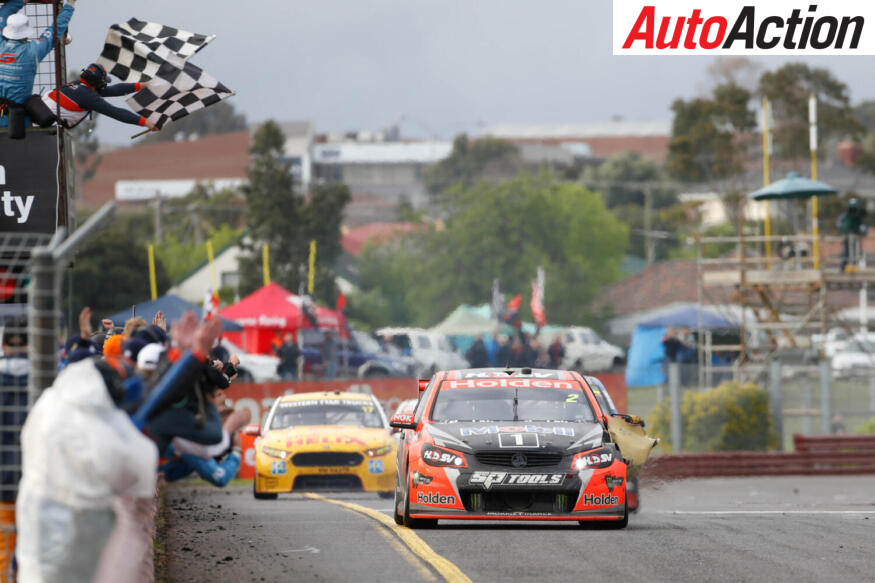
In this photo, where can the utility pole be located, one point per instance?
(194, 211)
(649, 243)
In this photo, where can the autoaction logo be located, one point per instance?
(489, 479)
(736, 27)
(433, 498)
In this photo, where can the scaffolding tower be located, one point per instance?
(783, 304)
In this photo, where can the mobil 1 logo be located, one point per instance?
(29, 183)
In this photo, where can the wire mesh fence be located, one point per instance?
(41, 18)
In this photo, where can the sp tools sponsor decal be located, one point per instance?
(489, 479)
(735, 27)
(496, 429)
(435, 499)
(600, 500)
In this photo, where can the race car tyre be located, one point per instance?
(386, 495)
(399, 520)
(414, 522)
(263, 495)
(609, 524)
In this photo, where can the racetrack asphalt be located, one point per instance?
(794, 528)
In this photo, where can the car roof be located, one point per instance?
(325, 395)
(511, 372)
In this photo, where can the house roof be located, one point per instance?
(354, 239)
(220, 156)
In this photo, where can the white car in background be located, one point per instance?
(585, 351)
(856, 358)
(431, 350)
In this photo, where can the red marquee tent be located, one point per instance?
(271, 309)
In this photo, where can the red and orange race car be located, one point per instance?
(508, 444)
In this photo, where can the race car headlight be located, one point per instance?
(274, 452)
(438, 456)
(378, 451)
(598, 458)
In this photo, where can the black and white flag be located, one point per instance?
(135, 50)
(176, 92)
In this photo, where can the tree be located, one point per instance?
(111, 272)
(623, 178)
(504, 230)
(203, 211)
(219, 118)
(282, 218)
(788, 90)
(470, 161)
(708, 142)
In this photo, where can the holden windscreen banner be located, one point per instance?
(29, 183)
(737, 27)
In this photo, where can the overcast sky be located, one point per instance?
(444, 66)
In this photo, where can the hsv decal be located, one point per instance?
(497, 374)
(595, 459)
(494, 429)
(489, 479)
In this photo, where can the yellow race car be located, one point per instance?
(325, 440)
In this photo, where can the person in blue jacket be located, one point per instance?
(20, 57)
(215, 472)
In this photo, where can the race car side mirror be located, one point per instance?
(423, 383)
(253, 429)
(402, 421)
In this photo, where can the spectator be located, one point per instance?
(79, 451)
(329, 355)
(288, 354)
(21, 57)
(530, 351)
(389, 346)
(477, 355)
(852, 225)
(14, 371)
(77, 100)
(517, 354)
(503, 355)
(556, 353)
(672, 345)
(194, 457)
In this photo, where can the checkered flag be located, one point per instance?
(176, 92)
(135, 50)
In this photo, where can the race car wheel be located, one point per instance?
(263, 495)
(395, 514)
(415, 522)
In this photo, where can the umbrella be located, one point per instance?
(688, 317)
(793, 186)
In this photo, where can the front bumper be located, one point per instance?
(592, 494)
(372, 474)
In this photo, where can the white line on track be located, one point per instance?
(767, 512)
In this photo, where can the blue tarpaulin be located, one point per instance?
(173, 308)
(644, 359)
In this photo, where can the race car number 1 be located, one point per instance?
(518, 440)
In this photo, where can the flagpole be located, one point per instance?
(265, 263)
(812, 137)
(212, 266)
(311, 276)
(153, 284)
(767, 226)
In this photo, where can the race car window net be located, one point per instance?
(533, 404)
(358, 415)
